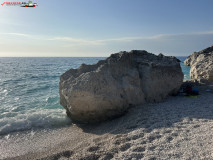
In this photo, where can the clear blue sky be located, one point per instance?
(101, 27)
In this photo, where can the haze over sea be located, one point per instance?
(29, 92)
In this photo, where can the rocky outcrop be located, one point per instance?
(97, 92)
(201, 65)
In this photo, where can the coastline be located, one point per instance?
(178, 128)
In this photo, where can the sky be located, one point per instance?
(98, 28)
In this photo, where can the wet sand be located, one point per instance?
(178, 128)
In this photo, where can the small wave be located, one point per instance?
(52, 100)
(16, 98)
(34, 119)
(3, 92)
(37, 89)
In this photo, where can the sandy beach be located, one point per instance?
(178, 128)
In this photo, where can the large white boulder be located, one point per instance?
(201, 65)
(105, 90)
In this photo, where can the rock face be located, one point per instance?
(201, 65)
(105, 90)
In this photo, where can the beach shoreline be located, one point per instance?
(179, 128)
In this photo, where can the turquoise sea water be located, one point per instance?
(29, 93)
(185, 69)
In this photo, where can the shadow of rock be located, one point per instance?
(178, 109)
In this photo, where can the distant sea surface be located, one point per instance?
(29, 92)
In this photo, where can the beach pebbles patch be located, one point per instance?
(91, 157)
(125, 147)
(136, 156)
(107, 156)
(64, 154)
(139, 149)
(93, 148)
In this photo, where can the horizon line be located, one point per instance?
(67, 56)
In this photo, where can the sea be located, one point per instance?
(29, 92)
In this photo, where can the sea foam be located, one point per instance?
(43, 118)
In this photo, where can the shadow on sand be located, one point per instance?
(179, 109)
